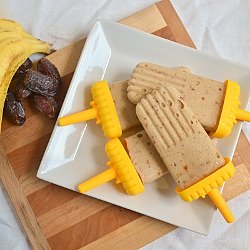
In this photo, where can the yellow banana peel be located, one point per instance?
(16, 45)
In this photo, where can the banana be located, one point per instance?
(10, 25)
(7, 25)
(15, 47)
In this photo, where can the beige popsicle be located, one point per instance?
(143, 154)
(179, 138)
(133, 163)
(184, 146)
(144, 157)
(125, 109)
(203, 96)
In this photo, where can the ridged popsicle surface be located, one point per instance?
(204, 96)
(183, 144)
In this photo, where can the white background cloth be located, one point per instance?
(220, 28)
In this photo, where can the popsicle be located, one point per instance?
(125, 109)
(191, 157)
(103, 110)
(140, 165)
(205, 97)
(144, 157)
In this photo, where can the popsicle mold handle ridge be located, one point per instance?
(107, 114)
(103, 110)
(121, 169)
(208, 186)
(230, 112)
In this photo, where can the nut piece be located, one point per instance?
(46, 105)
(14, 109)
(40, 83)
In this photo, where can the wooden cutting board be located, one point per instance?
(56, 218)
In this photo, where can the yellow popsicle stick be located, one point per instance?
(103, 110)
(121, 169)
(85, 115)
(97, 180)
(243, 115)
(209, 186)
(220, 203)
(230, 111)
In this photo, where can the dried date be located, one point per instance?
(21, 91)
(14, 109)
(47, 68)
(24, 68)
(40, 83)
(46, 105)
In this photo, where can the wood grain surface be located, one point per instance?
(57, 218)
(21, 205)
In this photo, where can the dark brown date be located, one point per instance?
(40, 83)
(24, 68)
(47, 68)
(14, 109)
(21, 91)
(46, 105)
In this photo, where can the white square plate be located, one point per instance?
(76, 152)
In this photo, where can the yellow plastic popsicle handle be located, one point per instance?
(230, 111)
(220, 203)
(85, 115)
(121, 168)
(209, 186)
(103, 109)
(97, 180)
(243, 115)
